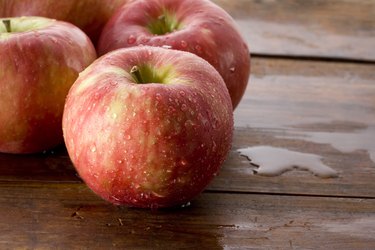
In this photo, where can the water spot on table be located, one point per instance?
(273, 161)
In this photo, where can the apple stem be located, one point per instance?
(136, 73)
(164, 24)
(7, 25)
(163, 20)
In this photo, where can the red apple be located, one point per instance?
(148, 126)
(197, 26)
(89, 15)
(40, 59)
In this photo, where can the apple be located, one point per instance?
(88, 15)
(40, 60)
(147, 126)
(197, 26)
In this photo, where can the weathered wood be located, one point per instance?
(69, 216)
(51, 166)
(314, 28)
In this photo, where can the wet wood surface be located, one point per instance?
(317, 99)
(69, 216)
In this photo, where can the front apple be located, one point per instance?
(147, 126)
(197, 26)
(39, 61)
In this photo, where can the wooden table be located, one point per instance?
(312, 90)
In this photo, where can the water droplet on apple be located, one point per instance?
(183, 44)
(145, 40)
(214, 146)
(115, 198)
(200, 116)
(198, 48)
(131, 39)
(120, 161)
(184, 107)
(54, 39)
(144, 196)
(128, 137)
(171, 109)
(93, 148)
(188, 124)
(183, 162)
(134, 200)
(186, 205)
(232, 69)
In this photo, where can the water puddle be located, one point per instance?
(272, 161)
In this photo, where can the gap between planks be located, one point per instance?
(313, 58)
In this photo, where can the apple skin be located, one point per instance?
(88, 15)
(205, 30)
(37, 68)
(148, 145)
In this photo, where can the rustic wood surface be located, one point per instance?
(313, 73)
(69, 216)
(314, 28)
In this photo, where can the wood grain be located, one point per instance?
(314, 28)
(69, 216)
(51, 166)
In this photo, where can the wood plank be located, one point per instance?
(314, 28)
(50, 166)
(69, 216)
(287, 105)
